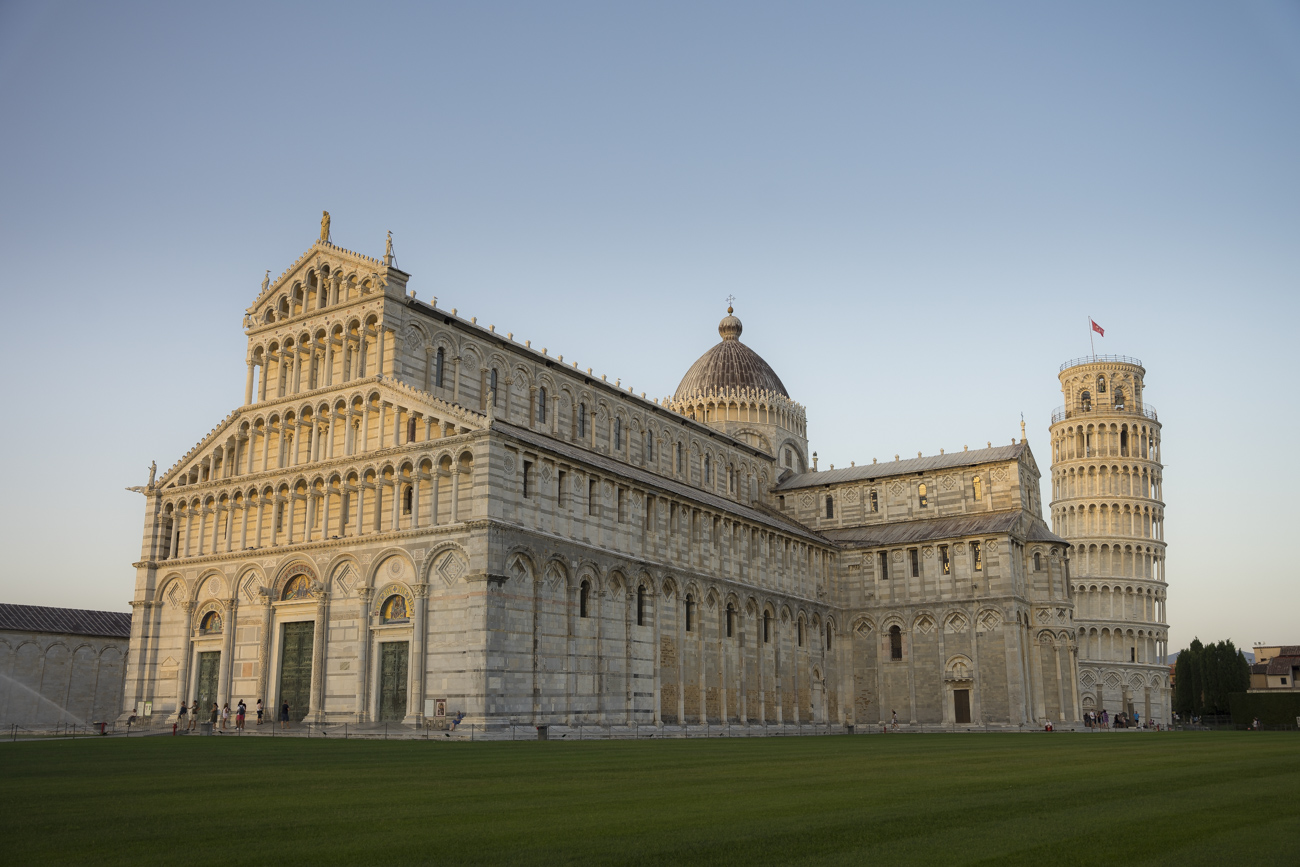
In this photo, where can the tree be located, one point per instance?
(1206, 674)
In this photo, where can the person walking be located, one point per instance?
(240, 710)
(212, 717)
(259, 711)
(894, 720)
(182, 722)
(225, 715)
(284, 715)
(194, 715)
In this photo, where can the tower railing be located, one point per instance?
(1094, 407)
(1094, 359)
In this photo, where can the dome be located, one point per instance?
(730, 364)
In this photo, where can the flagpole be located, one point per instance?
(1091, 341)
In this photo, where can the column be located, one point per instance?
(383, 420)
(433, 505)
(455, 493)
(215, 512)
(397, 501)
(288, 523)
(364, 438)
(316, 708)
(455, 385)
(227, 649)
(311, 516)
(397, 425)
(248, 384)
(363, 649)
(296, 385)
(416, 475)
(532, 407)
(243, 524)
(379, 360)
(416, 705)
(261, 385)
(230, 525)
(175, 550)
(325, 518)
(187, 660)
(329, 446)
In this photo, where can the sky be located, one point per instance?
(916, 206)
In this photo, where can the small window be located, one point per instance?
(492, 387)
(582, 421)
(1085, 401)
(830, 506)
(789, 458)
(620, 501)
(561, 489)
(921, 494)
(767, 627)
(640, 605)
(1101, 383)
(708, 470)
(875, 502)
(528, 475)
(1132, 654)
(649, 447)
(916, 562)
(593, 490)
(1038, 562)
(410, 431)
(394, 609)
(895, 643)
(829, 633)
(884, 565)
(408, 498)
(945, 562)
(1119, 398)
(979, 489)
(731, 619)
(679, 458)
(690, 613)
(977, 555)
(211, 624)
(541, 406)
(618, 434)
(799, 632)
(438, 363)
(584, 591)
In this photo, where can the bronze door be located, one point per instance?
(209, 671)
(961, 704)
(295, 668)
(392, 680)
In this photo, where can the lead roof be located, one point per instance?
(898, 468)
(66, 621)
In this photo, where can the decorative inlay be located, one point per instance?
(213, 587)
(451, 568)
(608, 490)
(898, 556)
(989, 621)
(896, 489)
(948, 483)
(806, 500)
(924, 624)
(929, 553)
(956, 622)
(546, 472)
(851, 495)
(510, 466)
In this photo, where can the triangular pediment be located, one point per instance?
(283, 297)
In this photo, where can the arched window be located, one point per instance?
(830, 506)
(640, 605)
(979, 489)
(541, 406)
(584, 591)
(410, 431)
(394, 610)
(731, 619)
(678, 447)
(297, 588)
(799, 632)
(1085, 401)
(438, 362)
(1119, 398)
(767, 627)
(875, 502)
(921, 495)
(492, 387)
(829, 632)
(1038, 562)
(690, 612)
(1123, 443)
(708, 470)
(407, 498)
(582, 421)
(789, 458)
(895, 642)
(210, 624)
(618, 434)
(649, 446)
(1101, 383)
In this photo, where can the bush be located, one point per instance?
(1272, 709)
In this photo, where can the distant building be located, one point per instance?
(61, 665)
(1275, 668)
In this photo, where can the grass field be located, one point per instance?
(1185, 799)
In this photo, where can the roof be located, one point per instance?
(651, 480)
(67, 621)
(730, 364)
(898, 468)
(1284, 661)
(909, 532)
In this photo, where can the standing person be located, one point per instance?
(240, 710)
(894, 719)
(225, 715)
(212, 717)
(194, 715)
(182, 722)
(259, 711)
(284, 715)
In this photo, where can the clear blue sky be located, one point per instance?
(917, 207)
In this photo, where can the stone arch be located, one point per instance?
(391, 564)
(292, 569)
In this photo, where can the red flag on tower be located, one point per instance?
(1097, 328)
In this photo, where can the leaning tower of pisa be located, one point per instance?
(1107, 483)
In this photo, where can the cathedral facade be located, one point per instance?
(414, 517)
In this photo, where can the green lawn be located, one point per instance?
(1120, 798)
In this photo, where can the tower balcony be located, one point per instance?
(1095, 408)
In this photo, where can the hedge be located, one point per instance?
(1273, 709)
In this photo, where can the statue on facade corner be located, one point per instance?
(324, 225)
(153, 471)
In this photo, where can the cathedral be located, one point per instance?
(414, 517)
